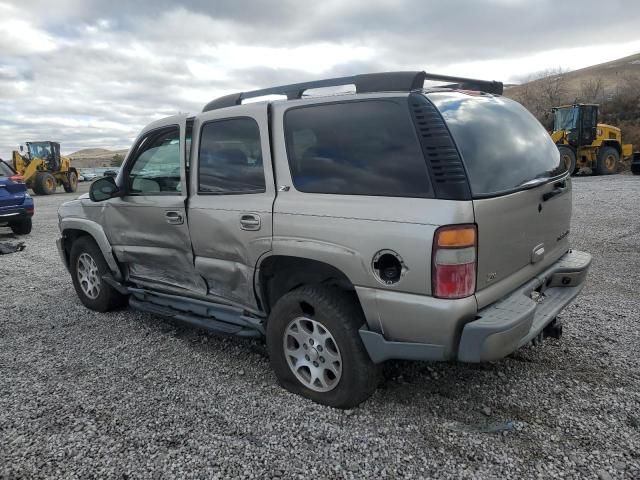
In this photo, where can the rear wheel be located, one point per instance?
(608, 158)
(87, 269)
(568, 157)
(44, 183)
(72, 182)
(315, 348)
(23, 227)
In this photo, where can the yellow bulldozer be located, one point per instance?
(585, 143)
(44, 169)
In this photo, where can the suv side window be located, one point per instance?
(156, 169)
(356, 148)
(230, 157)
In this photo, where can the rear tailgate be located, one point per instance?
(521, 191)
(519, 236)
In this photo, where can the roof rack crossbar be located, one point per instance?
(366, 83)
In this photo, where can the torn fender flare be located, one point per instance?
(97, 233)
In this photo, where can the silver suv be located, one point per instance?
(397, 222)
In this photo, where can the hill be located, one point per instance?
(610, 77)
(95, 157)
(614, 85)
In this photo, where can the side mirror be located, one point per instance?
(22, 148)
(103, 189)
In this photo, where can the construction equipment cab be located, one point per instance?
(585, 143)
(44, 169)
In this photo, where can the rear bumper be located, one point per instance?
(15, 214)
(488, 334)
(515, 320)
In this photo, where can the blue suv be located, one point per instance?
(16, 205)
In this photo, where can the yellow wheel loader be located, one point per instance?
(585, 143)
(44, 169)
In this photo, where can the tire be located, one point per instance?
(72, 182)
(86, 255)
(22, 227)
(608, 159)
(568, 156)
(45, 183)
(305, 313)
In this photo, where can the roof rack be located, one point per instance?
(366, 83)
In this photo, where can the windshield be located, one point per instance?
(565, 119)
(39, 149)
(503, 146)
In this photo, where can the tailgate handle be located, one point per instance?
(560, 188)
(537, 253)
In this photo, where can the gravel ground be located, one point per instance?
(130, 395)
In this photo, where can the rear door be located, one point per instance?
(148, 227)
(231, 205)
(521, 191)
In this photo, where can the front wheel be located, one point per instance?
(88, 266)
(315, 348)
(45, 183)
(568, 157)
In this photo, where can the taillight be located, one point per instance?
(17, 178)
(29, 211)
(453, 264)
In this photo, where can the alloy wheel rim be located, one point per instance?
(312, 354)
(567, 161)
(88, 276)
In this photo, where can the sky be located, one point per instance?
(92, 73)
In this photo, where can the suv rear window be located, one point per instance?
(356, 148)
(502, 145)
(5, 170)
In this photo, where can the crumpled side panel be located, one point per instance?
(232, 280)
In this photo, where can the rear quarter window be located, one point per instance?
(356, 148)
(502, 144)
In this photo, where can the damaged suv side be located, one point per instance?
(396, 222)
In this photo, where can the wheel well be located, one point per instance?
(280, 274)
(614, 144)
(68, 237)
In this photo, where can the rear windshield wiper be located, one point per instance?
(535, 182)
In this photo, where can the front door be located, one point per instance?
(148, 227)
(230, 209)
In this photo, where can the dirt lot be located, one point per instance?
(129, 395)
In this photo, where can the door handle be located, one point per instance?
(174, 218)
(250, 221)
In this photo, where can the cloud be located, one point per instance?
(92, 73)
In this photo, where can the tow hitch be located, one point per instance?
(553, 330)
